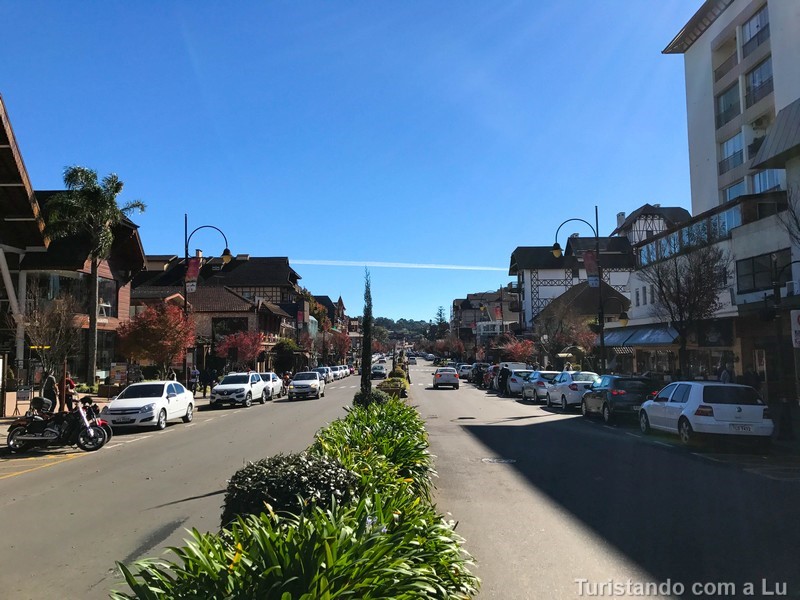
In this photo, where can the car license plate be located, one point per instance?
(122, 421)
(735, 427)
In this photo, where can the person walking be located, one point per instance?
(194, 380)
(69, 396)
(172, 376)
(502, 380)
(725, 375)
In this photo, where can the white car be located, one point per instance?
(274, 385)
(464, 371)
(325, 372)
(150, 404)
(536, 385)
(515, 381)
(708, 407)
(307, 384)
(239, 388)
(445, 376)
(568, 388)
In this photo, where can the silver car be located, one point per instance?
(536, 385)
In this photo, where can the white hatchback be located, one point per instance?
(150, 404)
(568, 388)
(445, 376)
(689, 408)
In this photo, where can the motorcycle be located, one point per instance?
(93, 415)
(41, 430)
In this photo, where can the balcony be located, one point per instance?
(754, 94)
(731, 162)
(726, 66)
(754, 146)
(755, 41)
(728, 114)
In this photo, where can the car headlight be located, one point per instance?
(238, 390)
(315, 384)
(104, 411)
(147, 408)
(291, 386)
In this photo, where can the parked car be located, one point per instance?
(537, 384)
(325, 372)
(352, 369)
(307, 384)
(412, 360)
(445, 376)
(489, 377)
(378, 372)
(239, 388)
(615, 396)
(476, 372)
(515, 380)
(693, 408)
(150, 404)
(274, 385)
(568, 388)
(464, 372)
(345, 370)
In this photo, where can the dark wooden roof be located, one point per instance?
(615, 253)
(240, 272)
(538, 257)
(21, 225)
(697, 26)
(219, 299)
(782, 142)
(584, 300)
(673, 215)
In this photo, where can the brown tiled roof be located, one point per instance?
(673, 215)
(219, 299)
(585, 300)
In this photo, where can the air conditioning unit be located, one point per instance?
(792, 288)
(759, 123)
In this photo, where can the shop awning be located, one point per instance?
(616, 337)
(654, 335)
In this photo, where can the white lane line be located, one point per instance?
(115, 445)
(636, 435)
(137, 439)
(609, 427)
(190, 425)
(663, 444)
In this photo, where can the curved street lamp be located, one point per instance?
(226, 257)
(557, 252)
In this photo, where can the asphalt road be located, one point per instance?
(584, 504)
(67, 515)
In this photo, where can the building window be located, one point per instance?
(734, 191)
(755, 273)
(755, 32)
(727, 105)
(637, 296)
(644, 295)
(767, 180)
(759, 83)
(652, 294)
(731, 153)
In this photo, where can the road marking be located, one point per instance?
(663, 444)
(55, 462)
(115, 445)
(636, 435)
(707, 457)
(609, 427)
(190, 425)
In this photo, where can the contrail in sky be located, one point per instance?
(392, 265)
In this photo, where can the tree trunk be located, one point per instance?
(91, 342)
(683, 359)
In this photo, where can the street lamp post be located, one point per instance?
(600, 311)
(226, 258)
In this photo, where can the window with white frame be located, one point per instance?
(755, 31)
(734, 191)
(731, 153)
(759, 82)
(766, 180)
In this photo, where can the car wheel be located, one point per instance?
(161, 423)
(685, 431)
(584, 410)
(187, 418)
(455, 386)
(248, 400)
(564, 405)
(607, 414)
(264, 396)
(644, 422)
(323, 392)
(547, 400)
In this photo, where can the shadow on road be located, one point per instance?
(677, 516)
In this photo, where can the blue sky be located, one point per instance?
(417, 132)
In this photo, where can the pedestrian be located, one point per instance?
(502, 379)
(205, 376)
(725, 375)
(568, 366)
(49, 391)
(69, 395)
(172, 376)
(194, 379)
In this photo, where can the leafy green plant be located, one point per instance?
(288, 483)
(392, 546)
(374, 396)
(397, 372)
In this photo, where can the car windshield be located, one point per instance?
(446, 370)
(228, 379)
(584, 376)
(729, 394)
(305, 376)
(548, 375)
(147, 390)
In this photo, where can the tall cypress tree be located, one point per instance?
(366, 339)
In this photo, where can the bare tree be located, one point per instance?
(52, 328)
(790, 218)
(559, 326)
(688, 280)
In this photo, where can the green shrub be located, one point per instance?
(393, 432)
(374, 396)
(397, 372)
(382, 547)
(288, 483)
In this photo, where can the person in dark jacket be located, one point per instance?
(50, 390)
(502, 379)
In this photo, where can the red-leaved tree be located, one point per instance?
(340, 344)
(246, 345)
(160, 334)
(515, 350)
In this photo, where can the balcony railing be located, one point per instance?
(728, 114)
(733, 161)
(754, 146)
(755, 94)
(755, 41)
(726, 66)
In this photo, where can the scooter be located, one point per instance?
(38, 429)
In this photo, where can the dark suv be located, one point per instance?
(617, 395)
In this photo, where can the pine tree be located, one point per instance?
(366, 340)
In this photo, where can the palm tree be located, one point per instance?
(89, 209)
